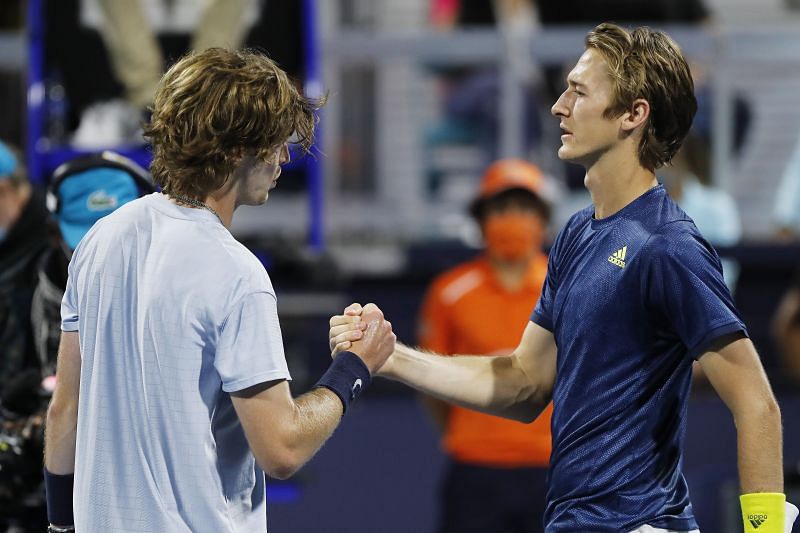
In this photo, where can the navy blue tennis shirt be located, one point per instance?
(632, 300)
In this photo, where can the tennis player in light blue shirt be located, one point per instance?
(172, 397)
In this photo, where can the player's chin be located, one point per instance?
(259, 198)
(566, 154)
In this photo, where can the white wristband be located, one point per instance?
(791, 516)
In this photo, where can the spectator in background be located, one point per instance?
(138, 64)
(496, 477)
(23, 238)
(472, 95)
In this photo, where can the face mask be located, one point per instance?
(512, 236)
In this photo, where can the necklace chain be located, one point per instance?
(196, 203)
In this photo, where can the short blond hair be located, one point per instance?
(214, 107)
(648, 64)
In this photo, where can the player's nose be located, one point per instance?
(560, 108)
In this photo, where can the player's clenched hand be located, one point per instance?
(378, 340)
(347, 328)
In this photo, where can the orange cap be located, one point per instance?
(507, 174)
(510, 174)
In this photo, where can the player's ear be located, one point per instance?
(636, 115)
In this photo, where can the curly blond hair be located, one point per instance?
(214, 107)
(648, 64)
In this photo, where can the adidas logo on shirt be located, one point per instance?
(618, 257)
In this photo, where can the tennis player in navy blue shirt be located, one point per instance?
(648, 293)
(633, 296)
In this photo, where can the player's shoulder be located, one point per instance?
(654, 211)
(661, 220)
(677, 239)
(244, 266)
(670, 225)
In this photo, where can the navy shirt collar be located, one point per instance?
(635, 207)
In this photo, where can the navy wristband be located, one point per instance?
(59, 498)
(346, 377)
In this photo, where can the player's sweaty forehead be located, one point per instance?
(590, 72)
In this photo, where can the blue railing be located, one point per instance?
(313, 88)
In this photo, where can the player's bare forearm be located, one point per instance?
(59, 441)
(285, 432)
(62, 414)
(760, 447)
(518, 386)
(493, 385)
(734, 369)
(318, 413)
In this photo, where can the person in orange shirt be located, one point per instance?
(495, 481)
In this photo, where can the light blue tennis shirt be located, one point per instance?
(173, 314)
